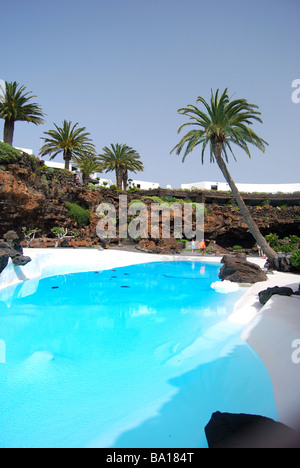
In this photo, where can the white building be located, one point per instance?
(246, 188)
(141, 184)
(58, 165)
(25, 150)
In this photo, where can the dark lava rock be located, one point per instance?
(265, 295)
(226, 430)
(21, 260)
(239, 270)
(280, 263)
(12, 248)
(3, 261)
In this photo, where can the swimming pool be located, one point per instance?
(138, 356)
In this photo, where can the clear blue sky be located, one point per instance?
(122, 69)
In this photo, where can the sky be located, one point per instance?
(123, 68)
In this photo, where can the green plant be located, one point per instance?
(295, 259)
(29, 235)
(33, 162)
(272, 239)
(61, 234)
(287, 248)
(8, 154)
(78, 214)
(294, 241)
(91, 186)
(266, 203)
(237, 247)
(88, 163)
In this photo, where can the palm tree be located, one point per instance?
(121, 158)
(69, 140)
(226, 122)
(88, 163)
(15, 106)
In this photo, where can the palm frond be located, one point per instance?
(16, 105)
(226, 121)
(68, 138)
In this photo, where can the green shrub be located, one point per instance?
(295, 259)
(8, 154)
(294, 241)
(273, 240)
(78, 214)
(286, 248)
(92, 186)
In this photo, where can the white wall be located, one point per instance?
(247, 188)
(107, 182)
(56, 165)
(133, 183)
(143, 185)
(25, 150)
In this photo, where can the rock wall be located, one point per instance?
(226, 226)
(35, 197)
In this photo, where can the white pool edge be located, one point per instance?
(50, 262)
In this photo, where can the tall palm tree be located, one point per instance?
(121, 159)
(69, 140)
(15, 106)
(88, 163)
(226, 122)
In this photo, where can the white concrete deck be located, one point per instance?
(274, 333)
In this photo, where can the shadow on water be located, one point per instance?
(238, 383)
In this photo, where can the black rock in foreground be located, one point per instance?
(227, 430)
(12, 248)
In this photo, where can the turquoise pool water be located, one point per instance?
(131, 357)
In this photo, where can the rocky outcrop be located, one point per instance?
(226, 226)
(163, 246)
(226, 430)
(239, 270)
(11, 248)
(280, 263)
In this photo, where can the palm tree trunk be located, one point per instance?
(125, 179)
(85, 178)
(67, 159)
(119, 176)
(270, 253)
(9, 127)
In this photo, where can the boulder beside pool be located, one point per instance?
(265, 295)
(239, 270)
